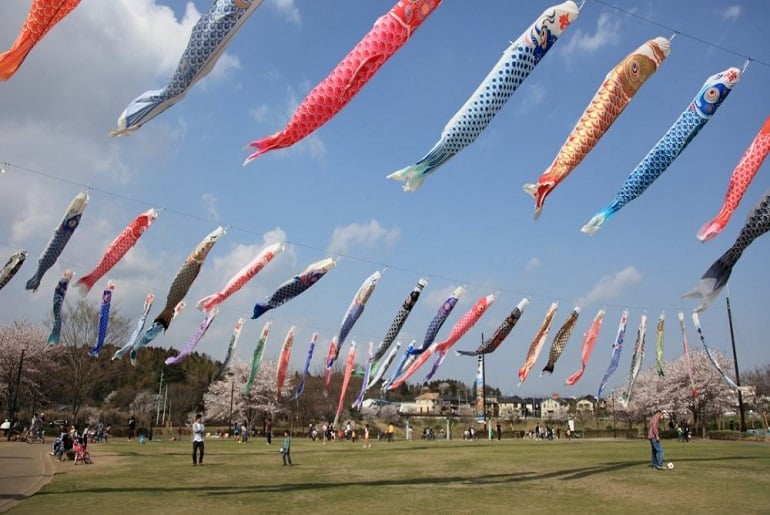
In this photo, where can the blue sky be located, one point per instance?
(470, 223)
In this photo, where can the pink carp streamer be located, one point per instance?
(104, 319)
(461, 327)
(388, 35)
(612, 97)
(537, 343)
(345, 381)
(333, 351)
(43, 14)
(283, 362)
(589, 341)
(236, 282)
(660, 329)
(193, 341)
(117, 249)
(742, 176)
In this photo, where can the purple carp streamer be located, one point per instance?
(744, 173)
(537, 343)
(686, 352)
(617, 347)
(122, 243)
(388, 35)
(58, 301)
(398, 321)
(208, 41)
(438, 320)
(293, 287)
(196, 337)
(515, 65)
(716, 277)
(104, 319)
(187, 274)
(730, 382)
(636, 360)
(660, 329)
(148, 300)
(301, 385)
(59, 239)
(256, 358)
(500, 334)
(345, 381)
(283, 362)
(589, 341)
(382, 365)
(11, 267)
(355, 310)
(612, 97)
(365, 382)
(150, 334)
(237, 281)
(231, 347)
(710, 96)
(560, 340)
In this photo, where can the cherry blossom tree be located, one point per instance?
(672, 393)
(30, 370)
(225, 400)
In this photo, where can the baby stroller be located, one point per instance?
(81, 454)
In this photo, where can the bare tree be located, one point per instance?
(81, 375)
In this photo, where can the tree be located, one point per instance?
(259, 400)
(17, 339)
(672, 393)
(80, 375)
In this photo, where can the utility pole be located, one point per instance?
(160, 394)
(735, 362)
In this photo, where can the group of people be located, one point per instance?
(71, 444)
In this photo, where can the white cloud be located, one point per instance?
(532, 264)
(607, 33)
(611, 287)
(345, 238)
(289, 10)
(731, 13)
(533, 95)
(210, 205)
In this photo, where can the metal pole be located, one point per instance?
(165, 400)
(232, 390)
(15, 395)
(735, 362)
(160, 394)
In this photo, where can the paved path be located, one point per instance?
(24, 469)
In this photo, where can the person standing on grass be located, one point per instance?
(653, 435)
(366, 437)
(131, 427)
(197, 440)
(286, 449)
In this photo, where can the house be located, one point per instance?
(425, 404)
(554, 409)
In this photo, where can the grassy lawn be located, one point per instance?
(512, 476)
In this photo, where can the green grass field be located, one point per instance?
(512, 476)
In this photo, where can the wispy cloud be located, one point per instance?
(606, 33)
(345, 238)
(288, 9)
(210, 203)
(532, 264)
(731, 13)
(533, 95)
(611, 287)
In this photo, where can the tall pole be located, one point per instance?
(735, 362)
(232, 391)
(160, 394)
(12, 417)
